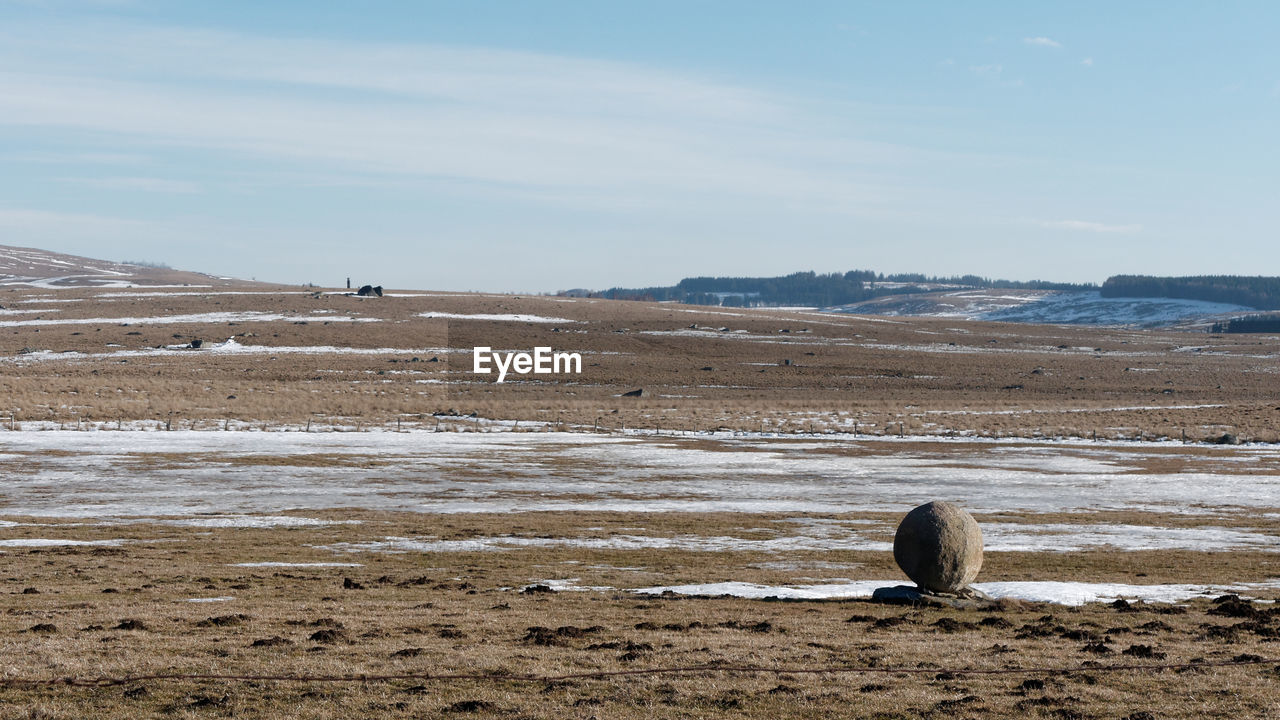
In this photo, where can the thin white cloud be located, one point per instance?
(1093, 227)
(1087, 62)
(994, 69)
(1042, 42)
(29, 220)
(524, 122)
(137, 184)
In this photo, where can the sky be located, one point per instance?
(539, 146)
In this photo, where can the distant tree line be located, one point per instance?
(812, 289)
(1248, 324)
(1261, 293)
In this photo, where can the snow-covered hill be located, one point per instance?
(40, 268)
(1050, 307)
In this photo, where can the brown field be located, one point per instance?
(701, 368)
(120, 610)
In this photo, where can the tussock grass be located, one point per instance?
(465, 613)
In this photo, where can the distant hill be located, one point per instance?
(1200, 302)
(811, 289)
(1051, 307)
(42, 268)
(1259, 292)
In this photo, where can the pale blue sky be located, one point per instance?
(535, 146)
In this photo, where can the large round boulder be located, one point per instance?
(939, 546)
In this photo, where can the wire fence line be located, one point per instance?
(111, 681)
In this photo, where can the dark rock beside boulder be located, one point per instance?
(939, 546)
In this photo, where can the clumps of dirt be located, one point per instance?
(1031, 684)
(273, 641)
(131, 625)
(763, 626)
(1097, 648)
(1144, 651)
(893, 621)
(450, 633)
(626, 645)
(1124, 606)
(328, 636)
(861, 618)
(544, 636)
(349, 584)
(223, 620)
(1153, 627)
(951, 705)
(669, 627)
(951, 625)
(201, 701)
(1079, 634)
(1043, 626)
(872, 688)
(995, 622)
(408, 652)
(1236, 607)
(782, 690)
(538, 589)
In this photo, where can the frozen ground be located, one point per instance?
(221, 481)
(1063, 593)
(107, 474)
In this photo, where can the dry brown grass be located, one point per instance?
(926, 376)
(465, 613)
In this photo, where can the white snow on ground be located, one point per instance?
(997, 537)
(54, 542)
(230, 346)
(245, 521)
(215, 317)
(1062, 537)
(205, 293)
(1090, 308)
(694, 543)
(224, 598)
(496, 318)
(106, 474)
(1056, 308)
(1062, 593)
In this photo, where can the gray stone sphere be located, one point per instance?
(939, 546)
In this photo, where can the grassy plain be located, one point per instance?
(97, 358)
